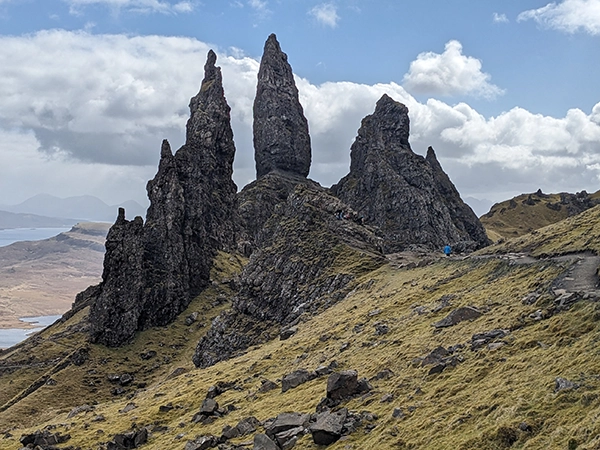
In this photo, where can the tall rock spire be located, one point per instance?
(153, 270)
(410, 199)
(281, 139)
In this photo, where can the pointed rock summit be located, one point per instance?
(409, 198)
(281, 139)
(153, 270)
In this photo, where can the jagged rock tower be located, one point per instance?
(153, 270)
(281, 139)
(281, 144)
(409, 198)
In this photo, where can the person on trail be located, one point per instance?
(447, 250)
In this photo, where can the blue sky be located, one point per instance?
(506, 91)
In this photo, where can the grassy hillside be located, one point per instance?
(527, 212)
(498, 397)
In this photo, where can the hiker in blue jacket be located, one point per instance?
(447, 250)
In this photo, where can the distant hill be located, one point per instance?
(40, 278)
(480, 207)
(83, 207)
(527, 212)
(22, 220)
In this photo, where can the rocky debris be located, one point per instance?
(293, 271)
(281, 139)
(285, 422)
(202, 443)
(80, 356)
(153, 270)
(409, 198)
(480, 340)
(267, 385)
(128, 407)
(458, 315)
(243, 428)
(43, 439)
(263, 442)
(149, 354)
(79, 409)
(209, 411)
(193, 317)
(439, 359)
(129, 440)
(329, 427)
(296, 378)
(561, 384)
(342, 386)
(287, 333)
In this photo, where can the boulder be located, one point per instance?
(296, 378)
(458, 315)
(328, 427)
(202, 443)
(43, 439)
(263, 442)
(342, 385)
(286, 421)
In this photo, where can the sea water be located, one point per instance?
(13, 235)
(12, 336)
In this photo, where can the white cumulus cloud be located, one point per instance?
(449, 73)
(570, 16)
(326, 14)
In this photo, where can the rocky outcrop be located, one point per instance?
(409, 198)
(463, 217)
(153, 270)
(306, 260)
(281, 139)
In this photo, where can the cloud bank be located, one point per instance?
(85, 114)
(569, 16)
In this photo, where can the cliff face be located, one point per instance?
(306, 260)
(153, 270)
(281, 139)
(410, 199)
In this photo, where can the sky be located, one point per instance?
(506, 91)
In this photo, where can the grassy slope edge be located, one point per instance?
(493, 399)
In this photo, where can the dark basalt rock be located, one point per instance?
(281, 139)
(153, 270)
(409, 198)
(299, 267)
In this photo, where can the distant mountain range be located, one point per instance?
(46, 210)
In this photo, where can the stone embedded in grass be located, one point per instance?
(479, 340)
(129, 440)
(202, 443)
(296, 378)
(261, 442)
(43, 439)
(286, 421)
(561, 384)
(329, 427)
(458, 315)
